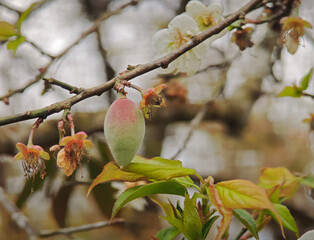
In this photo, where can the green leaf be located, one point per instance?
(26, 13)
(306, 79)
(207, 226)
(286, 218)
(146, 190)
(167, 233)
(247, 220)
(308, 180)
(291, 92)
(112, 172)
(158, 168)
(6, 30)
(186, 181)
(191, 220)
(200, 195)
(236, 25)
(13, 44)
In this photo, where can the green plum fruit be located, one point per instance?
(124, 130)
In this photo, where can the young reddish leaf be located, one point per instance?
(113, 173)
(286, 218)
(291, 92)
(167, 233)
(244, 194)
(158, 168)
(306, 79)
(281, 176)
(247, 220)
(226, 213)
(6, 30)
(147, 190)
(191, 220)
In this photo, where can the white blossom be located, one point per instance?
(180, 30)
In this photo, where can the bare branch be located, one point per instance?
(81, 228)
(16, 215)
(11, 8)
(195, 121)
(130, 74)
(70, 88)
(43, 71)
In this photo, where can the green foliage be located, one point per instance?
(167, 233)
(286, 218)
(14, 44)
(236, 25)
(306, 79)
(297, 91)
(191, 220)
(308, 180)
(140, 168)
(147, 190)
(247, 220)
(207, 226)
(291, 92)
(26, 13)
(7, 30)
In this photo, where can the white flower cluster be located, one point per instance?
(197, 18)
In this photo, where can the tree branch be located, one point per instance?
(11, 9)
(17, 216)
(70, 88)
(81, 228)
(130, 74)
(43, 70)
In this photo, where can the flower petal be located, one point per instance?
(191, 64)
(195, 9)
(185, 24)
(80, 136)
(162, 40)
(61, 158)
(215, 11)
(44, 155)
(159, 88)
(19, 156)
(88, 144)
(21, 147)
(65, 140)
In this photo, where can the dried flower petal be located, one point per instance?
(32, 157)
(69, 158)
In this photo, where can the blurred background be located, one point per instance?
(224, 121)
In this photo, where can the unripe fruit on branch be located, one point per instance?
(124, 130)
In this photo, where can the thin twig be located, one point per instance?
(194, 123)
(130, 74)
(11, 9)
(307, 95)
(81, 228)
(70, 88)
(92, 29)
(110, 72)
(39, 49)
(16, 215)
(37, 78)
